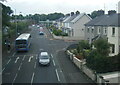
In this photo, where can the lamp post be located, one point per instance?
(16, 22)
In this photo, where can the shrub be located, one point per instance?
(64, 34)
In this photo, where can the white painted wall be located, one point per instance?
(79, 28)
(114, 39)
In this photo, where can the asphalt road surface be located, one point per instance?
(23, 67)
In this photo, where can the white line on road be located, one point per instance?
(32, 78)
(57, 74)
(23, 58)
(20, 66)
(14, 54)
(17, 59)
(3, 69)
(35, 65)
(30, 58)
(8, 61)
(51, 55)
(53, 62)
(14, 78)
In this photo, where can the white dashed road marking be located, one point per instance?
(3, 69)
(53, 62)
(23, 58)
(9, 61)
(51, 55)
(14, 79)
(32, 78)
(57, 74)
(13, 54)
(20, 66)
(17, 59)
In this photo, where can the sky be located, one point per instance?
(25, 7)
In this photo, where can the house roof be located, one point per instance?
(78, 17)
(71, 18)
(66, 18)
(105, 20)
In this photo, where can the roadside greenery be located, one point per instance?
(97, 56)
(57, 32)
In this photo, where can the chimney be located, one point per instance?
(100, 12)
(72, 13)
(77, 12)
(67, 14)
(110, 12)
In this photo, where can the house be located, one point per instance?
(105, 26)
(74, 25)
(77, 25)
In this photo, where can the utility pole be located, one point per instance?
(16, 23)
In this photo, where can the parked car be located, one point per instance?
(44, 58)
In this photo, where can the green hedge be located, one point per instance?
(59, 32)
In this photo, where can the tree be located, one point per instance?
(97, 13)
(98, 58)
(83, 45)
(6, 12)
(102, 46)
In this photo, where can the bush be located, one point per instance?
(56, 32)
(64, 34)
(97, 62)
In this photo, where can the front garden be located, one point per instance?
(57, 32)
(97, 56)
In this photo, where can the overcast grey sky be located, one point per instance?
(63, 6)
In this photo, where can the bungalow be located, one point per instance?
(105, 26)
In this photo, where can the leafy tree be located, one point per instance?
(97, 13)
(98, 58)
(54, 16)
(6, 12)
(83, 45)
(94, 14)
(102, 46)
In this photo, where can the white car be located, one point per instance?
(44, 58)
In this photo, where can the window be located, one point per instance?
(88, 30)
(105, 30)
(98, 30)
(92, 30)
(113, 31)
(112, 48)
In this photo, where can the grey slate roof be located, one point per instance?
(71, 18)
(105, 20)
(66, 18)
(79, 16)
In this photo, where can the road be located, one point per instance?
(23, 67)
